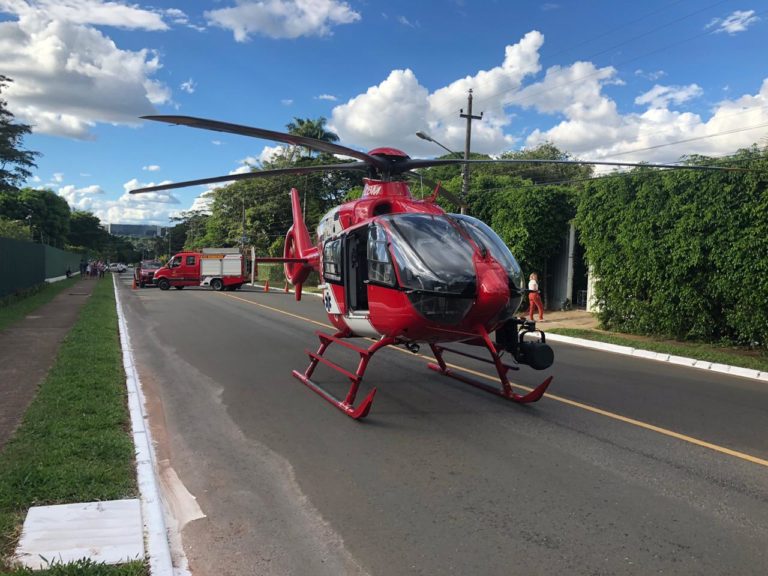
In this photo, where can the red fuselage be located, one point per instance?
(404, 268)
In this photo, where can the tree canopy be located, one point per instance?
(15, 162)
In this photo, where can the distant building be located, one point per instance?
(135, 230)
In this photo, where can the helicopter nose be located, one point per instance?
(492, 289)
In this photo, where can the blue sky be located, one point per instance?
(599, 79)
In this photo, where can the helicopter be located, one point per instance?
(402, 271)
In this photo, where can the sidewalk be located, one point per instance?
(29, 348)
(569, 319)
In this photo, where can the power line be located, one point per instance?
(495, 95)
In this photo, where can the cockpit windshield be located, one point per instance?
(431, 254)
(486, 238)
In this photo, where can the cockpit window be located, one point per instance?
(380, 267)
(332, 260)
(431, 254)
(484, 236)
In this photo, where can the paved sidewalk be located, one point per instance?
(28, 349)
(569, 319)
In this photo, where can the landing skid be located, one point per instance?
(346, 405)
(506, 390)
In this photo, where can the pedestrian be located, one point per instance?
(534, 297)
(88, 270)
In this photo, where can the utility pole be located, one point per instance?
(469, 117)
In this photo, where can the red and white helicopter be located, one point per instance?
(401, 270)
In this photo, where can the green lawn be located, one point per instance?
(757, 360)
(74, 444)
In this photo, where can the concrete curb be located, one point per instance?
(155, 532)
(661, 357)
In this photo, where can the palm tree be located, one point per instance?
(311, 129)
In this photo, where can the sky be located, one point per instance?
(644, 81)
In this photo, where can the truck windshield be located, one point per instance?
(431, 254)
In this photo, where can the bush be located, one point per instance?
(682, 254)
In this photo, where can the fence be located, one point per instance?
(24, 264)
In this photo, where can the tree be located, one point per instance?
(14, 162)
(14, 229)
(85, 231)
(311, 129)
(45, 211)
(542, 173)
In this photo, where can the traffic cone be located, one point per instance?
(134, 283)
(266, 285)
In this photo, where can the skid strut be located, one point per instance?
(346, 405)
(506, 390)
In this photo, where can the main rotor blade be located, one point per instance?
(311, 143)
(251, 175)
(414, 163)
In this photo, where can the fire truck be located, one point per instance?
(219, 268)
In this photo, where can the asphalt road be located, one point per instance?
(628, 466)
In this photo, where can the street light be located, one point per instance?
(428, 138)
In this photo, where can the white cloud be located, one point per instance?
(650, 136)
(587, 122)
(86, 12)
(188, 86)
(663, 96)
(268, 154)
(652, 76)
(282, 18)
(203, 203)
(180, 17)
(329, 97)
(737, 22)
(405, 22)
(286, 101)
(164, 196)
(68, 75)
(81, 198)
(392, 111)
(151, 168)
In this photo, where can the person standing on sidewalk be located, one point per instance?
(534, 297)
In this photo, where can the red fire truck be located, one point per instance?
(219, 268)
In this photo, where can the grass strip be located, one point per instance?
(754, 359)
(13, 308)
(74, 444)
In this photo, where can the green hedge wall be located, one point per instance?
(682, 253)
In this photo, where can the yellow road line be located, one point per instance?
(587, 407)
(280, 311)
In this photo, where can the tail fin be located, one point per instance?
(298, 245)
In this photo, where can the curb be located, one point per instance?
(155, 532)
(661, 357)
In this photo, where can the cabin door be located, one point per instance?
(356, 270)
